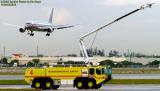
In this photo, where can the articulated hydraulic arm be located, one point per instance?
(82, 45)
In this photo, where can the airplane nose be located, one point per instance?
(27, 24)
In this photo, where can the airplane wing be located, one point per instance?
(62, 26)
(12, 25)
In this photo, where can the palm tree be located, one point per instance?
(36, 62)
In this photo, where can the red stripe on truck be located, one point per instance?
(52, 76)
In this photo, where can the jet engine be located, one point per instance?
(49, 30)
(21, 30)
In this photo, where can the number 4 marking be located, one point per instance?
(31, 72)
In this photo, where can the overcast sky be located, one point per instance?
(139, 32)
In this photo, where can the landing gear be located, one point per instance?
(32, 34)
(48, 34)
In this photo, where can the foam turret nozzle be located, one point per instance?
(149, 5)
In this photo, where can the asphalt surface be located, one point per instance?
(114, 76)
(104, 88)
(136, 76)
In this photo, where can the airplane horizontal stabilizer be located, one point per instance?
(64, 27)
(13, 25)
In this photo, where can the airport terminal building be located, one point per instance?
(24, 59)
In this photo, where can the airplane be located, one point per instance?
(48, 27)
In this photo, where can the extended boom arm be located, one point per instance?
(83, 49)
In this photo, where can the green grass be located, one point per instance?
(13, 82)
(11, 73)
(133, 81)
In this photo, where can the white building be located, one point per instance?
(25, 60)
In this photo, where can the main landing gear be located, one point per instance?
(48, 34)
(31, 34)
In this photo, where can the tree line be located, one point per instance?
(111, 63)
(36, 63)
(94, 52)
(114, 53)
(5, 61)
(120, 64)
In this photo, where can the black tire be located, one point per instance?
(32, 34)
(79, 84)
(48, 84)
(90, 84)
(37, 84)
(55, 87)
(98, 86)
(47, 34)
(109, 77)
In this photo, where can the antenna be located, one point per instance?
(37, 50)
(4, 51)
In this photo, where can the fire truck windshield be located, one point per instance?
(98, 71)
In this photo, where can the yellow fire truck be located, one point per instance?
(88, 77)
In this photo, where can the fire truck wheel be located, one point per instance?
(56, 86)
(98, 86)
(90, 84)
(109, 77)
(48, 84)
(79, 84)
(37, 84)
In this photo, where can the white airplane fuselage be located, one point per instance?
(38, 26)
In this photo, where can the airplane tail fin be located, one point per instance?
(51, 16)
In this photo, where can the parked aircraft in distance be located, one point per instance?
(47, 27)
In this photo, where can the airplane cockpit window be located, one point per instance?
(28, 23)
